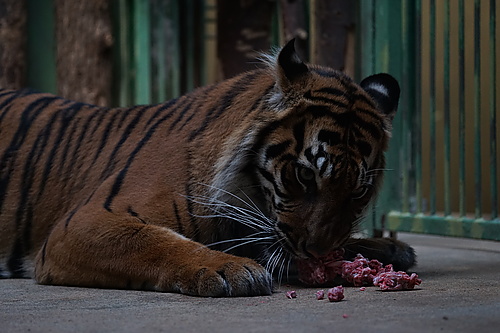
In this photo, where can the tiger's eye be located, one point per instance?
(305, 175)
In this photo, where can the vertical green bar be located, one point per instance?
(461, 106)
(409, 109)
(158, 26)
(142, 55)
(432, 106)
(446, 91)
(477, 108)
(41, 45)
(189, 10)
(366, 19)
(388, 58)
(417, 119)
(382, 37)
(162, 68)
(493, 119)
(405, 152)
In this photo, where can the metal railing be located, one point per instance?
(151, 37)
(443, 176)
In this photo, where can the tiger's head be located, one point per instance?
(313, 159)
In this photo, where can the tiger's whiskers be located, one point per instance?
(248, 213)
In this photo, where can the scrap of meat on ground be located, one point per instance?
(336, 294)
(396, 281)
(362, 271)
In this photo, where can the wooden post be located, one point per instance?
(243, 30)
(84, 50)
(12, 44)
(293, 13)
(332, 36)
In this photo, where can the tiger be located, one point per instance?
(209, 194)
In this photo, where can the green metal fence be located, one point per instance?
(151, 37)
(443, 171)
(41, 61)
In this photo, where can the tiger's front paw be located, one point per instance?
(231, 276)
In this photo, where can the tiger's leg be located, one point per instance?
(109, 251)
(386, 250)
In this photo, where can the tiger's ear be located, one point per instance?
(290, 66)
(384, 89)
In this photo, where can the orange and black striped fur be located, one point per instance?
(272, 164)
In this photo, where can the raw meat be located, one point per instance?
(362, 271)
(318, 271)
(320, 294)
(396, 280)
(359, 272)
(291, 294)
(336, 294)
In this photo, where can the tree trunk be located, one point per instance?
(243, 30)
(333, 34)
(293, 13)
(12, 44)
(84, 50)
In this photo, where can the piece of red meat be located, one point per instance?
(392, 280)
(362, 271)
(336, 294)
(318, 271)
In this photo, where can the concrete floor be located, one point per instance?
(460, 293)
